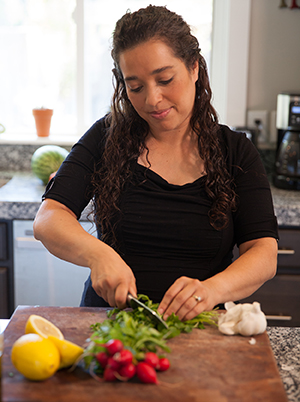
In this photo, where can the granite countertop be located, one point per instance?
(20, 198)
(287, 206)
(285, 344)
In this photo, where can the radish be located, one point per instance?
(127, 371)
(123, 357)
(163, 364)
(113, 364)
(113, 346)
(109, 374)
(102, 359)
(146, 373)
(152, 359)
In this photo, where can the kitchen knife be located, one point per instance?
(134, 303)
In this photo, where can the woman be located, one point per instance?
(173, 190)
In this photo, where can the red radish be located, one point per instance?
(113, 346)
(152, 359)
(146, 373)
(127, 371)
(113, 364)
(123, 357)
(163, 364)
(109, 374)
(102, 358)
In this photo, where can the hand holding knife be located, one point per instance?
(133, 302)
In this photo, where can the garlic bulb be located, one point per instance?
(246, 319)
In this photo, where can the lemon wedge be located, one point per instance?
(39, 325)
(69, 351)
(35, 357)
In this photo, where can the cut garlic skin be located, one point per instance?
(245, 319)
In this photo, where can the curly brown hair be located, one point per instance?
(127, 131)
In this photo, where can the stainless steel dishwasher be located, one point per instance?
(41, 278)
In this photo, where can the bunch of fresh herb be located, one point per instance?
(139, 333)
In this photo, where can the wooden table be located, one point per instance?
(205, 366)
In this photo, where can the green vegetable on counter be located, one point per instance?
(139, 333)
(46, 160)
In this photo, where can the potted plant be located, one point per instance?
(42, 118)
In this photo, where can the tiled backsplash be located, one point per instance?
(17, 158)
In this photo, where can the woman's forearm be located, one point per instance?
(60, 232)
(257, 264)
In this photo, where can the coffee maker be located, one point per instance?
(287, 165)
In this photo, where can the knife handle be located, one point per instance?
(129, 298)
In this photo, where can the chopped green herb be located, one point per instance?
(139, 333)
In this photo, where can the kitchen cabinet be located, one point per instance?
(6, 269)
(280, 297)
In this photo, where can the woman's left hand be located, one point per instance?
(186, 298)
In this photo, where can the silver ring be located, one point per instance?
(197, 298)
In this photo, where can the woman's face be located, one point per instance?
(159, 86)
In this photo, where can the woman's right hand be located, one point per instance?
(112, 279)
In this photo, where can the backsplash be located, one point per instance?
(17, 158)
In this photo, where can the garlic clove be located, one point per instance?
(228, 328)
(256, 307)
(229, 305)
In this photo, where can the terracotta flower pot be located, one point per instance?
(42, 121)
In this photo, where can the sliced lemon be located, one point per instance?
(69, 351)
(39, 325)
(35, 357)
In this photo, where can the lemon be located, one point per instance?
(39, 325)
(35, 357)
(69, 351)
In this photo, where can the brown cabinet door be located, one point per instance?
(3, 241)
(280, 297)
(289, 251)
(6, 269)
(280, 300)
(3, 292)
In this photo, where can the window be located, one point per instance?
(56, 54)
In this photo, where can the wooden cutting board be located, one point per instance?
(206, 366)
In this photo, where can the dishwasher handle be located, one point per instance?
(28, 242)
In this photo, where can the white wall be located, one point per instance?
(256, 56)
(274, 54)
(229, 64)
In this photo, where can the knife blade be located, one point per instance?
(134, 303)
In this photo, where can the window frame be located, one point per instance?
(230, 59)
